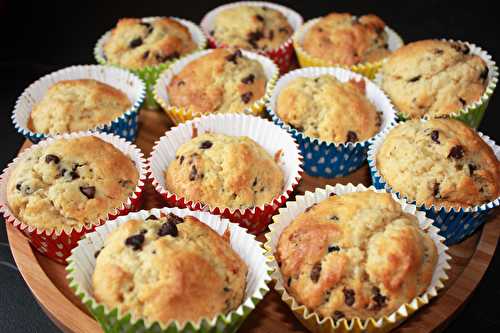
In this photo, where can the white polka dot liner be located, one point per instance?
(57, 243)
(454, 224)
(82, 262)
(325, 158)
(269, 136)
(311, 319)
(124, 125)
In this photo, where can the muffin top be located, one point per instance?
(222, 81)
(355, 255)
(70, 182)
(433, 78)
(136, 44)
(325, 108)
(224, 171)
(250, 27)
(77, 105)
(340, 38)
(439, 162)
(168, 269)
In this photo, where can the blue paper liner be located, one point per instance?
(124, 126)
(454, 224)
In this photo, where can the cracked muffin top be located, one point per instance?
(224, 171)
(433, 78)
(325, 108)
(135, 43)
(341, 38)
(77, 105)
(439, 162)
(142, 270)
(221, 81)
(250, 27)
(355, 255)
(69, 183)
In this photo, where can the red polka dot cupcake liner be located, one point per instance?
(282, 56)
(58, 243)
(275, 140)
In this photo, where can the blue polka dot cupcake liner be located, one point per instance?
(325, 158)
(124, 126)
(454, 224)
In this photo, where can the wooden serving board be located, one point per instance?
(47, 279)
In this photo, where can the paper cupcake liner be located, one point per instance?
(368, 69)
(283, 55)
(325, 158)
(312, 320)
(180, 114)
(150, 73)
(454, 224)
(471, 114)
(57, 243)
(124, 125)
(266, 134)
(81, 266)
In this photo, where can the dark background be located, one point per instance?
(38, 38)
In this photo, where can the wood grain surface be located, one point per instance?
(47, 279)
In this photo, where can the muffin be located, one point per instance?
(135, 43)
(224, 171)
(355, 255)
(77, 105)
(251, 27)
(142, 270)
(440, 162)
(325, 108)
(340, 38)
(433, 78)
(222, 81)
(70, 183)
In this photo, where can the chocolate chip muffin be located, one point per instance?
(439, 162)
(222, 81)
(136, 43)
(325, 108)
(433, 78)
(224, 171)
(70, 183)
(341, 38)
(251, 27)
(77, 105)
(168, 269)
(355, 255)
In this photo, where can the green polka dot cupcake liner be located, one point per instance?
(150, 74)
(82, 262)
(473, 113)
(124, 126)
(325, 158)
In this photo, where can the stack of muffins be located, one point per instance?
(345, 258)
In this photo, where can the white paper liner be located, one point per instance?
(269, 67)
(127, 148)
(293, 208)
(82, 260)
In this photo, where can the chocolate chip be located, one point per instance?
(385, 46)
(254, 182)
(226, 289)
(484, 74)
(18, 186)
(52, 158)
(457, 152)
(125, 183)
(145, 55)
(206, 144)
(74, 175)
(246, 97)
(248, 79)
(181, 83)
(333, 217)
(96, 253)
(167, 57)
(181, 159)
(435, 190)
(135, 42)
(435, 136)
(461, 48)
(233, 57)
(415, 78)
(193, 173)
(333, 248)
(174, 218)
(148, 26)
(438, 51)
(348, 296)
(472, 168)
(338, 315)
(259, 17)
(378, 298)
(283, 29)
(135, 241)
(351, 136)
(462, 101)
(151, 217)
(320, 29)
(254, 37)
(315, 272)
(26, 190)
(271, 35)
(144, 231)
(289, 281)
(88, 191)
(168, 228)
